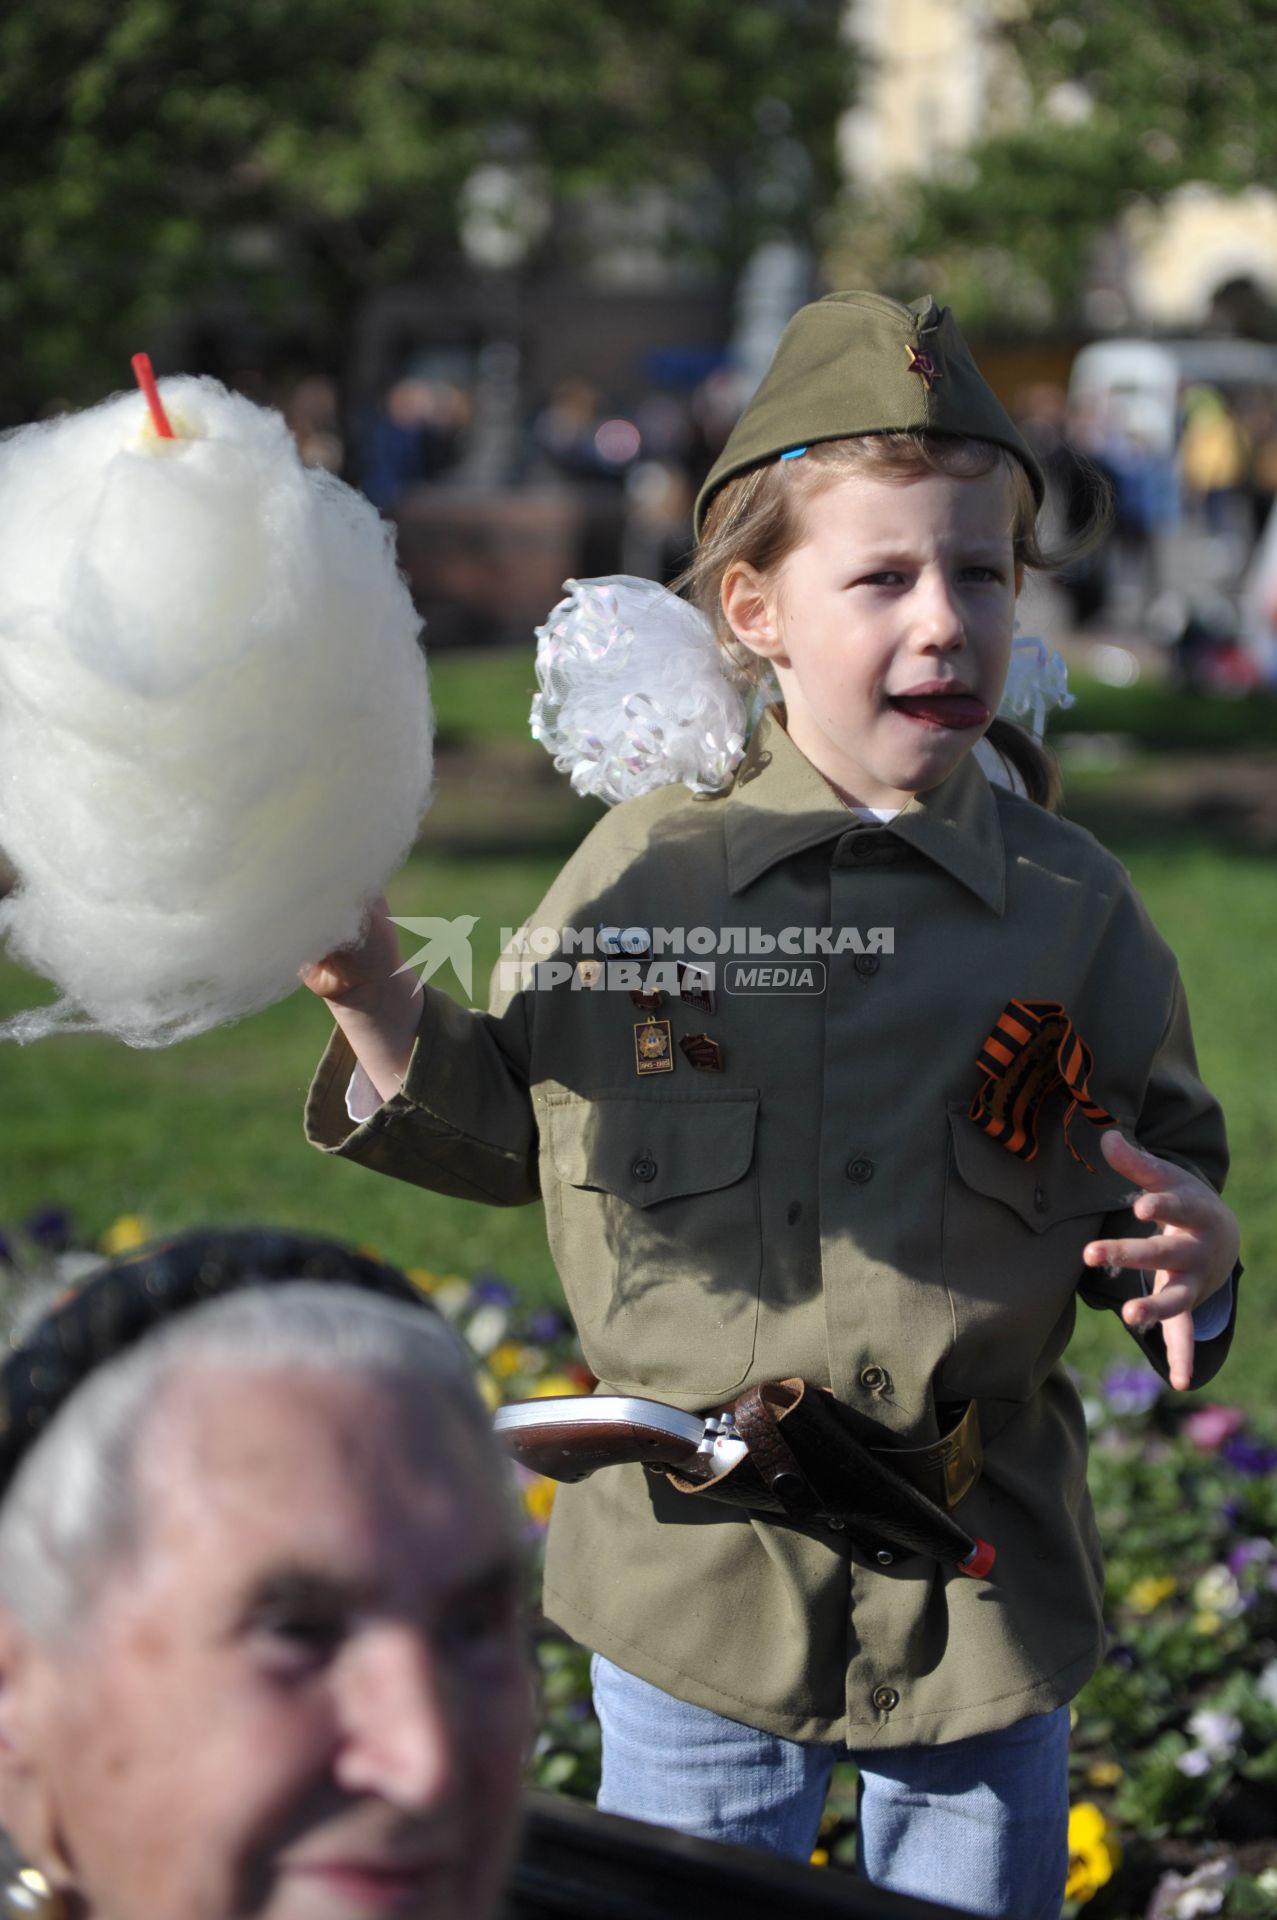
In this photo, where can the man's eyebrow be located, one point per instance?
(302, 1588)
(318, 1594)
(498, 1580)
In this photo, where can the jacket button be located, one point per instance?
(643, 1168)
(877, 1379)
(860, 1171)
(866, 963)
(1041, 1204)
(886, 1699)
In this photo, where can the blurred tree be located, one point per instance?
(1125, 101)
(152, 149)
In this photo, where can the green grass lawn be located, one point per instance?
(210, 1130)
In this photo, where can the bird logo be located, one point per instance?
(445, 940)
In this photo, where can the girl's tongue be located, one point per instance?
(942, 709)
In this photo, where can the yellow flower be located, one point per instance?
(506, 1359)
(1094, 1851)
(552, 1385)
(538, 1498)
(1206, 1623)
(423, 1279)
(1147, 1594)
(820, 1857)
(489, 1389)
(129, 1231)
(1103, 1773)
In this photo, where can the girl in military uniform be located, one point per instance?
(892, 1183)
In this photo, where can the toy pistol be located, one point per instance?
(783, 1448)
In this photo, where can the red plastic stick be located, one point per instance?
(145, 376)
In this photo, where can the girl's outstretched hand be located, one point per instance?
(1191, 1255)
(353, 973)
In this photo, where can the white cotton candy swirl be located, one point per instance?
(215, 730)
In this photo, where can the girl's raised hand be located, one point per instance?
(352, 974)
(1191, 1255)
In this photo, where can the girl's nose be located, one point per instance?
(400, 1731)
(939, 624)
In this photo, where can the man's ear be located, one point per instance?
(26, 1811)
(15, 1651)
(749, 608)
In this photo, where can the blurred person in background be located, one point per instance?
(261, 1648)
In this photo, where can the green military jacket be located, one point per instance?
(820, 1204)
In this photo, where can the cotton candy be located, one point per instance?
(215, 729)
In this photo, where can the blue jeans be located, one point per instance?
(981, 1823)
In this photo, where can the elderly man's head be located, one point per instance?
(260, 1647)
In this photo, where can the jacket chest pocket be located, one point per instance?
(1014, 1231)
(652, 1211)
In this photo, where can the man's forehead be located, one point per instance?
(225, 1441)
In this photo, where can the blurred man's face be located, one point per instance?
(306, 1697)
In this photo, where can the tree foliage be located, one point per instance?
(150, 148)
(1127, 102)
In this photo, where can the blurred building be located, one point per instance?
(935, 78)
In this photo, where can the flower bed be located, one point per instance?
(1174, 1759)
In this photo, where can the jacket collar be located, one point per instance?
(781, 805)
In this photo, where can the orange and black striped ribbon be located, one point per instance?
(1033, 1051)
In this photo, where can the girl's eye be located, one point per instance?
(985, 575)
(889, 578)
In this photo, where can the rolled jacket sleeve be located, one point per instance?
(462, 1123)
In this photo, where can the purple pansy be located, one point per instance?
(50, 1228)
(490, 1290)
(546, 1326)
(1131, 1389)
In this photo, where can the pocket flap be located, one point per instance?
(645, 1149)
(1048, 1189)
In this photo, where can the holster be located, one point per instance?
(816, 1461)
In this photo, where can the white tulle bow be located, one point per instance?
(637, 694)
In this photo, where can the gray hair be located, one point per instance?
(71, 1506)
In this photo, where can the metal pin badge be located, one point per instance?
(653, 1047)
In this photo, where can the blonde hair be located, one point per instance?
(757, 518)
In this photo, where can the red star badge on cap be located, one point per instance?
(924, 366)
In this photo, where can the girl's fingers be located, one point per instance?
(1176, 1252)
(1173, 1300)
(1173, 1207)
(1179, 1341)
(1135, 1163)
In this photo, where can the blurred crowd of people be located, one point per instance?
(1181, 556)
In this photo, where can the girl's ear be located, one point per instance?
(749, 609)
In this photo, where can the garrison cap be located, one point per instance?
(857, 363)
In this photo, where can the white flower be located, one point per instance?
(1218, 1592)
(1179, 1896)
(1218, 1733)
(1194, 1763)
(487, 1329)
